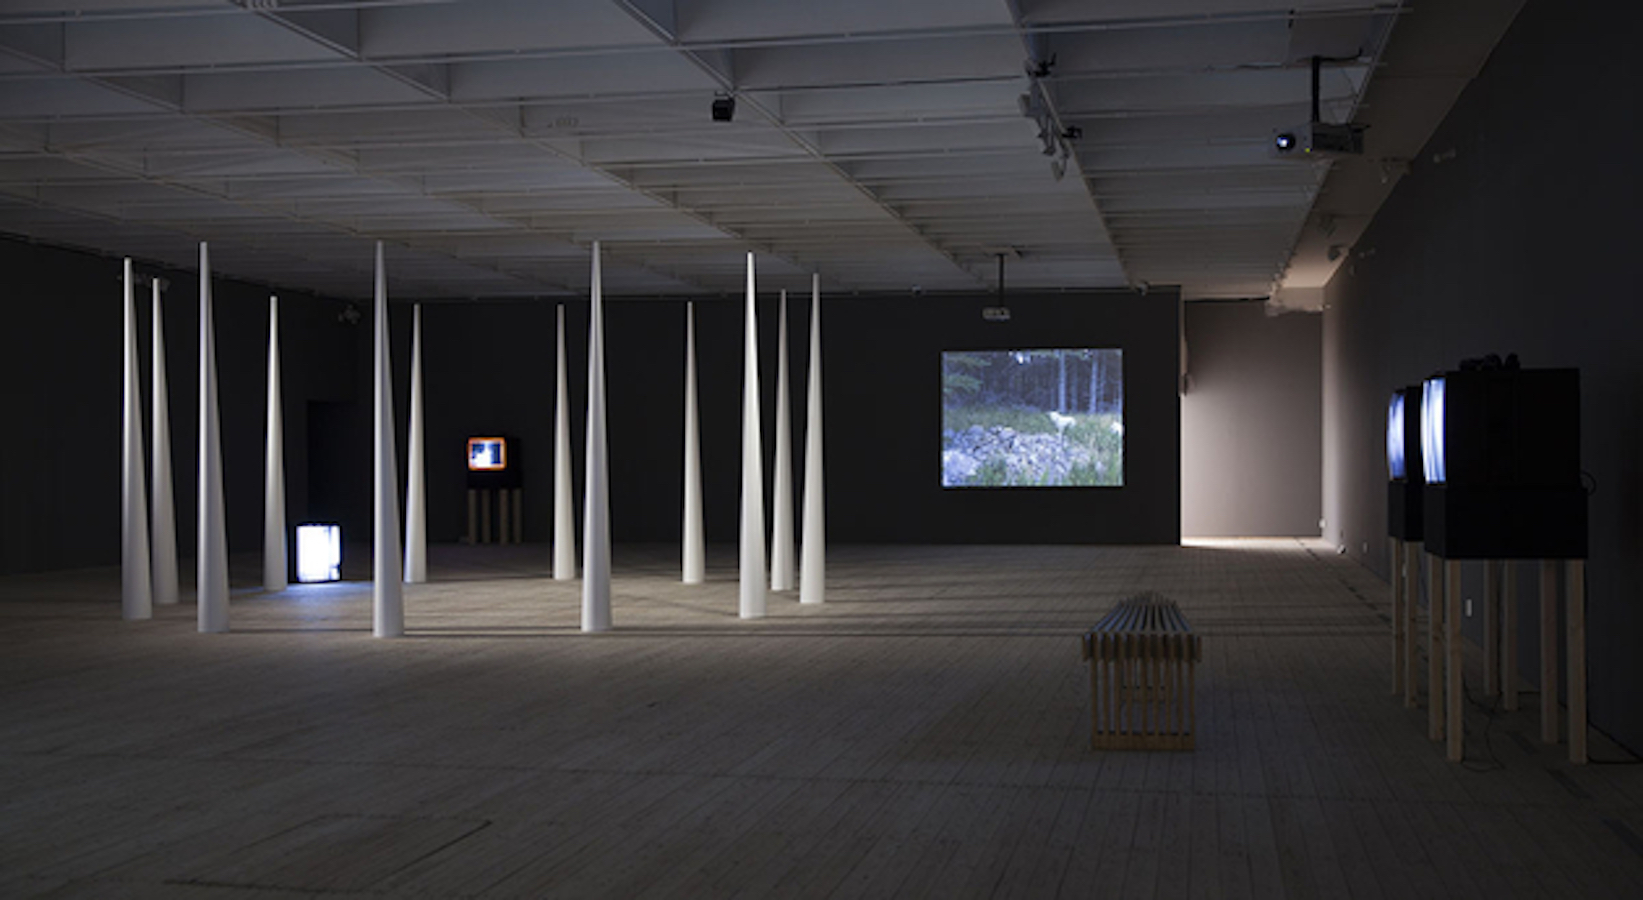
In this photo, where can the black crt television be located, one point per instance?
(1500, 449)
(1406, 482)
(493, 462)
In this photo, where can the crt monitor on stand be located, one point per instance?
(493, 462)
(1405, 485)
(487, 454)
(1501, 451)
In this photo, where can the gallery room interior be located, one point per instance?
(735, 421)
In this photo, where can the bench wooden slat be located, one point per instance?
(1142, 657)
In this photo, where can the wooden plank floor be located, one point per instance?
(923, 734)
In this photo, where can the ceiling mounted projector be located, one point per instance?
(1317, 140)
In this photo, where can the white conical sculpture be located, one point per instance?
(564, 510)
(782, 577)
(813, 549)
(162, 506)
(695, 546)
(387, 593)
(752, 593)
(136, 587)
(416, 514)
(273, 499)
(596, 499)
(212, 552)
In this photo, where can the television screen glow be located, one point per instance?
(319, 552)
(1032, 418)
(487, 454)
(1432, 430)
(1395, 437)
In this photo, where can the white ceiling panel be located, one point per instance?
(747, 20)
(495, 26)
(883, 144)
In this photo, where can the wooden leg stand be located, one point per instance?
(1575, 645)
(1491, 629)
(1454, 697)
(1508, 637)
(1398, 601)
(1411, 594)
(1434, 648)
(1548, 651)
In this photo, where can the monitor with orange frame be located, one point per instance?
(487, 454)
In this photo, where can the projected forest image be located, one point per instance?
(1032, 418)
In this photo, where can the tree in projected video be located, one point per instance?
(1032, 418)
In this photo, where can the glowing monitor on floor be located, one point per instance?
(319, 552)
(1032, 418)
(487, 454)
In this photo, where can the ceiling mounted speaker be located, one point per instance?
(724, 109)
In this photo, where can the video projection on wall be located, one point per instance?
(1032, 418)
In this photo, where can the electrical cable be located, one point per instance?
(1490, 712)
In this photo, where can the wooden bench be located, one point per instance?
(1142, 659)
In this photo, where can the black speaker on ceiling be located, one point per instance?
(724, 108)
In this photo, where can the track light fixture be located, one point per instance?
(1035, 105)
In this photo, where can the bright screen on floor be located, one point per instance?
(1032, 418)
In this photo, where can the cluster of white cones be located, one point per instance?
(149, 573)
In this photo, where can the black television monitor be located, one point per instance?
(1500, 449)
(487, 454)
(1503, 427)
(1405, 484)
(493, 462)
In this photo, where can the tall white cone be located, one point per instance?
(212, 553)
(387, 593)
(162, 507)
(136, 586)
(782, 577)
(273, 499)
(596, 498)
(564, 510)
(695, 547)
(812, 564)
(416, 514)
(752, 594)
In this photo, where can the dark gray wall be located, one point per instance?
(490, 369)
(1251, 422)
(1523, 240)
(60, 362)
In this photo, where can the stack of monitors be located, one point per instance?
(1500, 449)
(493, 462)
(1405, 484)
